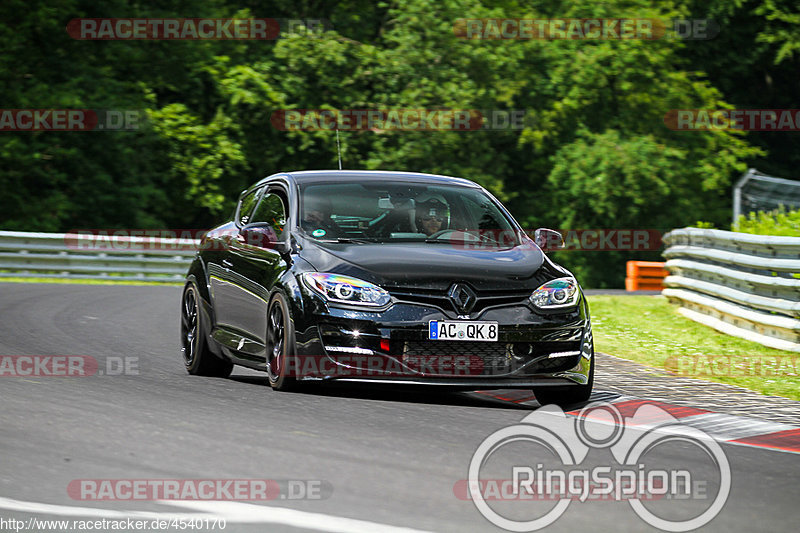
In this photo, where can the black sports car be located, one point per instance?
(390, 277)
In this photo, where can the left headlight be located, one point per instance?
(346, 290)
(557, 293)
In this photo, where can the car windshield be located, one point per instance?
(386, 211)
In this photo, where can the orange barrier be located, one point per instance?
(645, 276)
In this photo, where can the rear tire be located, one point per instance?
(197, 357)
(280, 344)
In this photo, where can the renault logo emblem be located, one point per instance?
(463, 297)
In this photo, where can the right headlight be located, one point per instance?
(556, 294)
(346, 290)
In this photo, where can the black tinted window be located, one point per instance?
(271, 210)
(392, 211)
(246, 206)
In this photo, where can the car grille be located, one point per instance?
(441, 300)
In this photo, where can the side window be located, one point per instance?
(246, 207)
(271, 211)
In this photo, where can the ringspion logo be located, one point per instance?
(689, 496)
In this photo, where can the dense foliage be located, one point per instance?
(594, 153)
(777, 222)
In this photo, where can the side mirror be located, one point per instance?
(548, 239)
(261, 235)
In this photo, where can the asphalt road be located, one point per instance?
(389, 458)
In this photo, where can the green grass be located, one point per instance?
(87, 281)
(778, 222)
(649, 330)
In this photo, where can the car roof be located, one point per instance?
(312, 176)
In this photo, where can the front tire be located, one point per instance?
(280, 344)
(197, 357)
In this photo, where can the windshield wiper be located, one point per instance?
(346, 240)
(478, 244)
(352, 240)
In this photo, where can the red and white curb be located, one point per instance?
(731, 429)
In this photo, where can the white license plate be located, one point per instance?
(440, 330)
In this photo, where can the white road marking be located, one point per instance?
(260, 514)
(71, 510)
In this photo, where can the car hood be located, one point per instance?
(433, 266)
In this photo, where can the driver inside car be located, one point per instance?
(317, 220)
(432, 214)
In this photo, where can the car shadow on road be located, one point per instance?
(518, 399)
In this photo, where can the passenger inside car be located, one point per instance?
(399, 219)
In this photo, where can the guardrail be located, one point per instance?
(85, 256)
(741, 284)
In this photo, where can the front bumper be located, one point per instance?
(392, 347)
